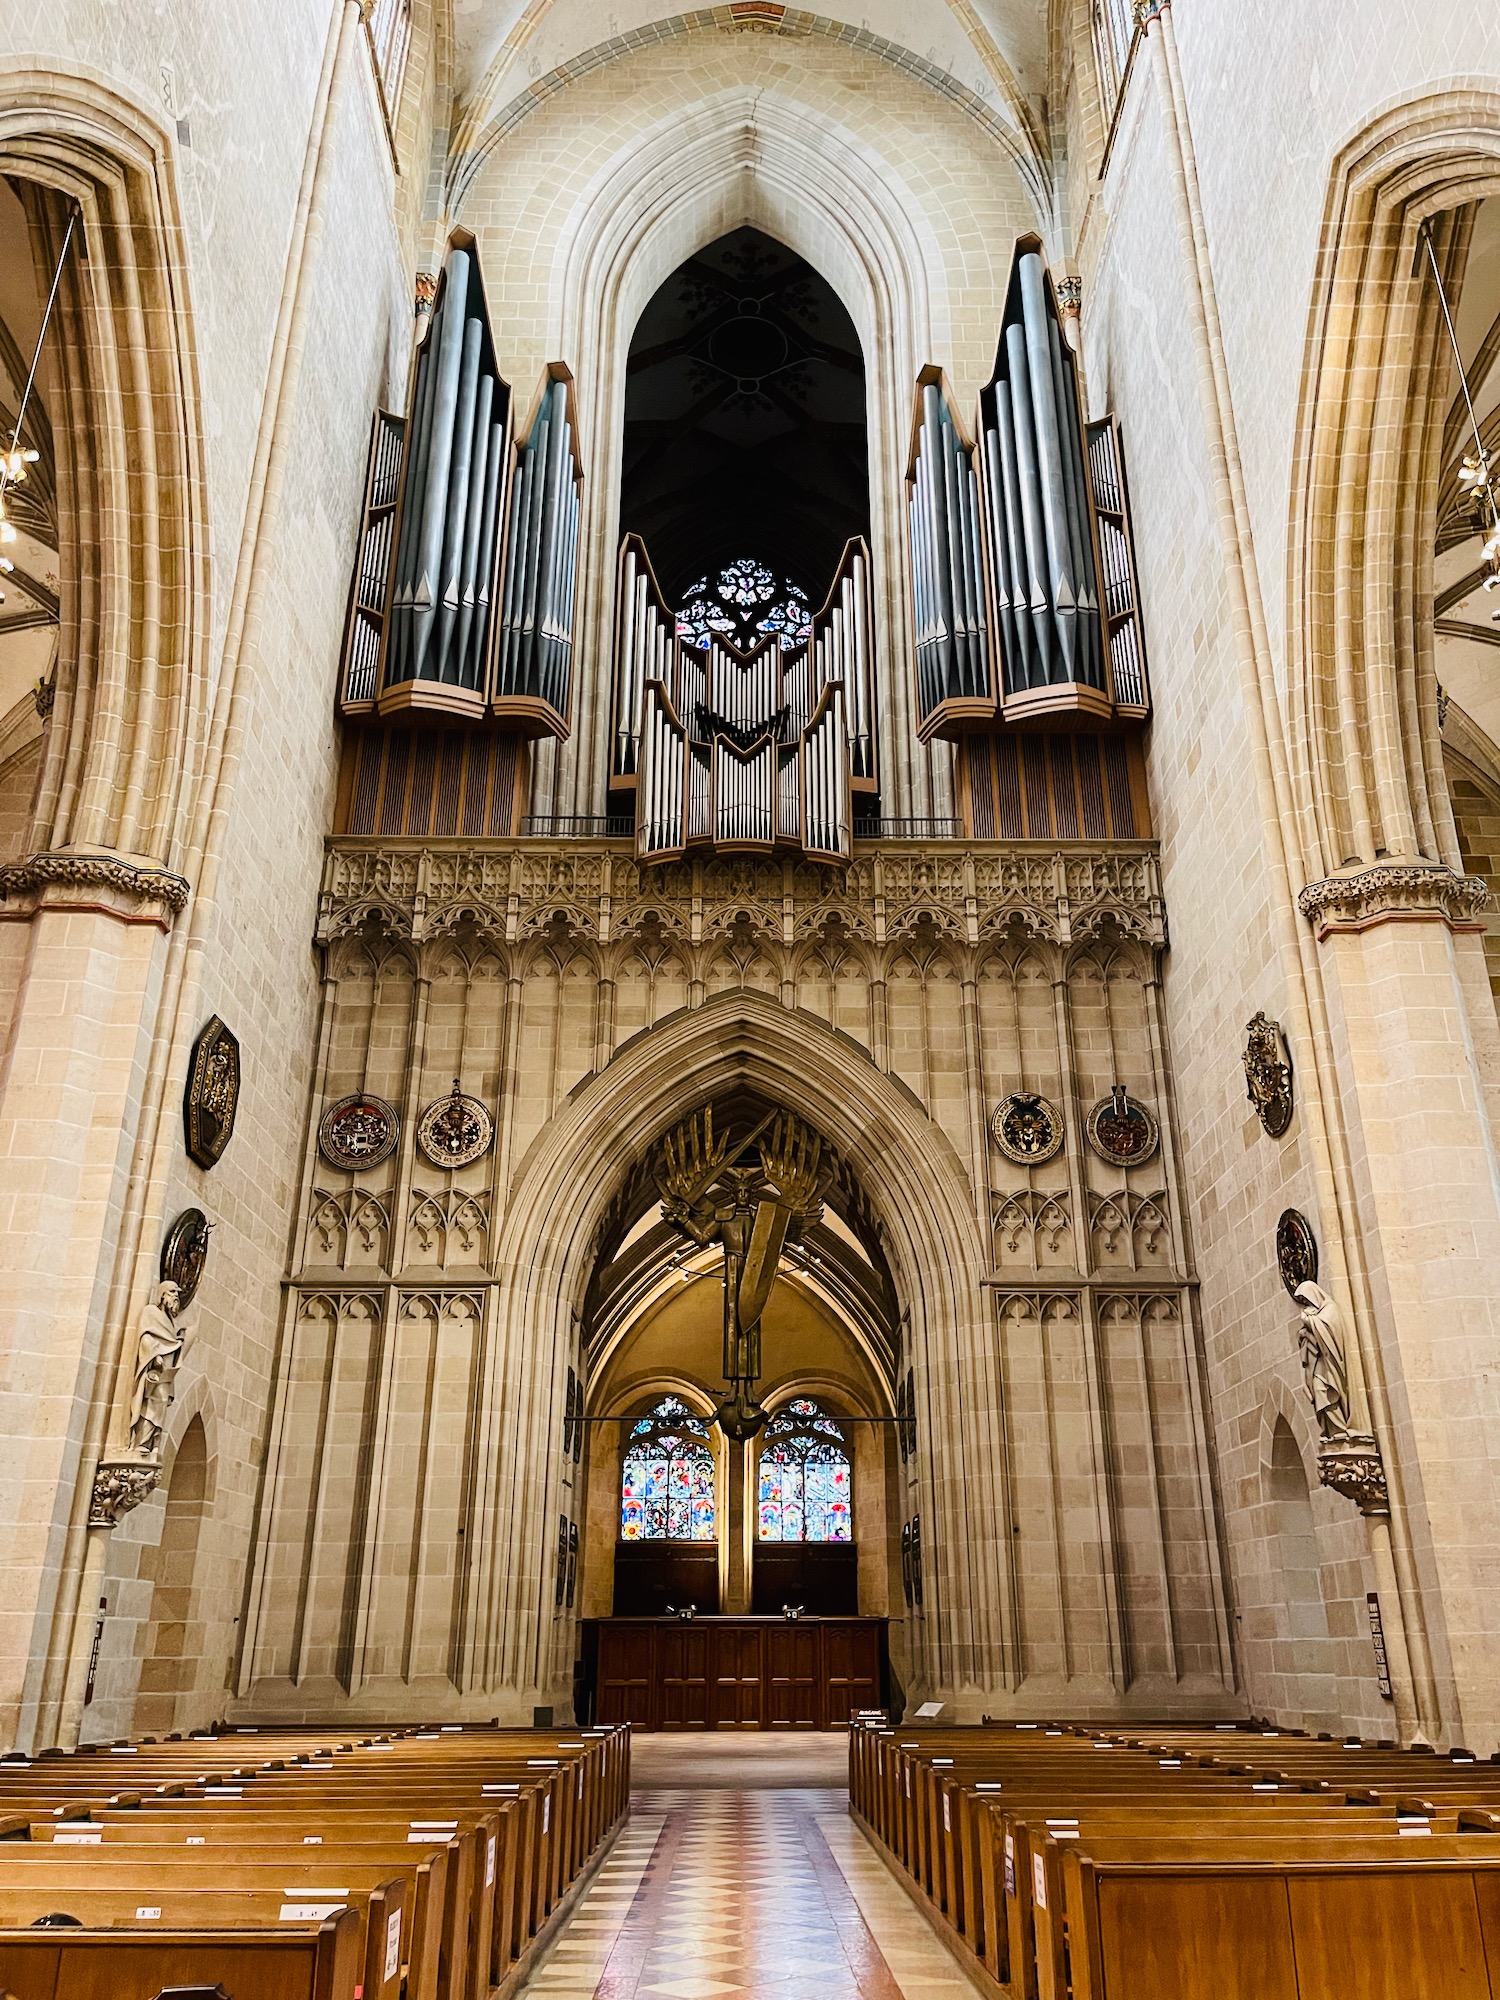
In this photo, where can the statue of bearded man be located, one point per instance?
(158, 1350)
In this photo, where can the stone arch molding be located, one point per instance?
(1367, 756)
(125, 736)
(760, 155)
(920, 1195)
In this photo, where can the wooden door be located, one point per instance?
(682, 1675)
(851, 1670)
(735, 1692)
(626, 1675)
(792, 1676)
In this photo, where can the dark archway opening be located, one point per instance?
(745, 420)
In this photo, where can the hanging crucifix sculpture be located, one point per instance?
(711, 1197)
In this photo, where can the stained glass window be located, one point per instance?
(805, 1483)
(667, 1482)
(744, 604)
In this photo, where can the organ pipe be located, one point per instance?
(436, 645)
(744, 749)
(948, 596)
(1039, 509)
(532, 681)
(1009, 539)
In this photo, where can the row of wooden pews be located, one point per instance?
(1228, 1863)
(293, 1864)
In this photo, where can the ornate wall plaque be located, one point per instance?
(1027, 1129)
(1121, 1130)
(1268, 1074)
(185, 1252)
(1296, 1250)
(211, 1095)
(358, 1132)
(455, 1130)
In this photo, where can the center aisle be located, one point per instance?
(740, 1873)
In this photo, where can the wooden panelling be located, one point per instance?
(445, 782)
(1054, 787)
(652, 1578)
(821, 1577)
(713, 1673)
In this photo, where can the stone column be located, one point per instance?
(82, 940)
(1403, 969)
(739, 1522)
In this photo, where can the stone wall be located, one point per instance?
(546, 975)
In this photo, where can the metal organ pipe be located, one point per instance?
(453, 477)
(536, 651)
(734, 750)
(1039, 518)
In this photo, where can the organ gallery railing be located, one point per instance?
(1010, 535)
(754, 749)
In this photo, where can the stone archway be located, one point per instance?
(918, 1190)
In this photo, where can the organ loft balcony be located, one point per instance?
(775, 659)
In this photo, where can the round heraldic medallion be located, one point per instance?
(1121, 1130)
(1027, 1129)
(358, 1132)
(185, 1252)
(1296, 1250)
(455, 1130)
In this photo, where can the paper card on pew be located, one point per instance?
(501, 1788)
(489, 1862)
(148, 1913)
(929, 1711)
(431, 1829)
(1039, 1881)
(308, 1913)
(85, 1837)
(393, 1944)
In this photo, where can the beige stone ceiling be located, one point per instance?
(995, 48)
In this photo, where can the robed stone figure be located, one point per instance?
(158, 1350)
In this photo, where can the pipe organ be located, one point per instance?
(463, 594)
(1010, 535)
(753, 749)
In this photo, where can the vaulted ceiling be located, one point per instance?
(995, 49)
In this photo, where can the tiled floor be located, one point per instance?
(741, 1874)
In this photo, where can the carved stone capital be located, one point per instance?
(119, 1485)
(1395, 893)
(1147, 11)
(123, 889)
(1352, 1465)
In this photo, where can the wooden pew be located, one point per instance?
(480, 1832)
(318, 1963)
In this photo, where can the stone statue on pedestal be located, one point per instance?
(158, 1350)
(1324, 1366)
(1349, 1461)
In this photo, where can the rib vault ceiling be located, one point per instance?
(996, 49)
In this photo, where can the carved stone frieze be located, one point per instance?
(119, 1485)
(1394, 894)
(509, 891)
(102, 881)
(1351, 1465)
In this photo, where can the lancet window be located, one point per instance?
(805, 1478)
(667, 1481)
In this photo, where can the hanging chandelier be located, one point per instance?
(15, 460)
(1478, 475)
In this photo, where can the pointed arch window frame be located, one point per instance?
(803, 1436)
(675, 1486)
